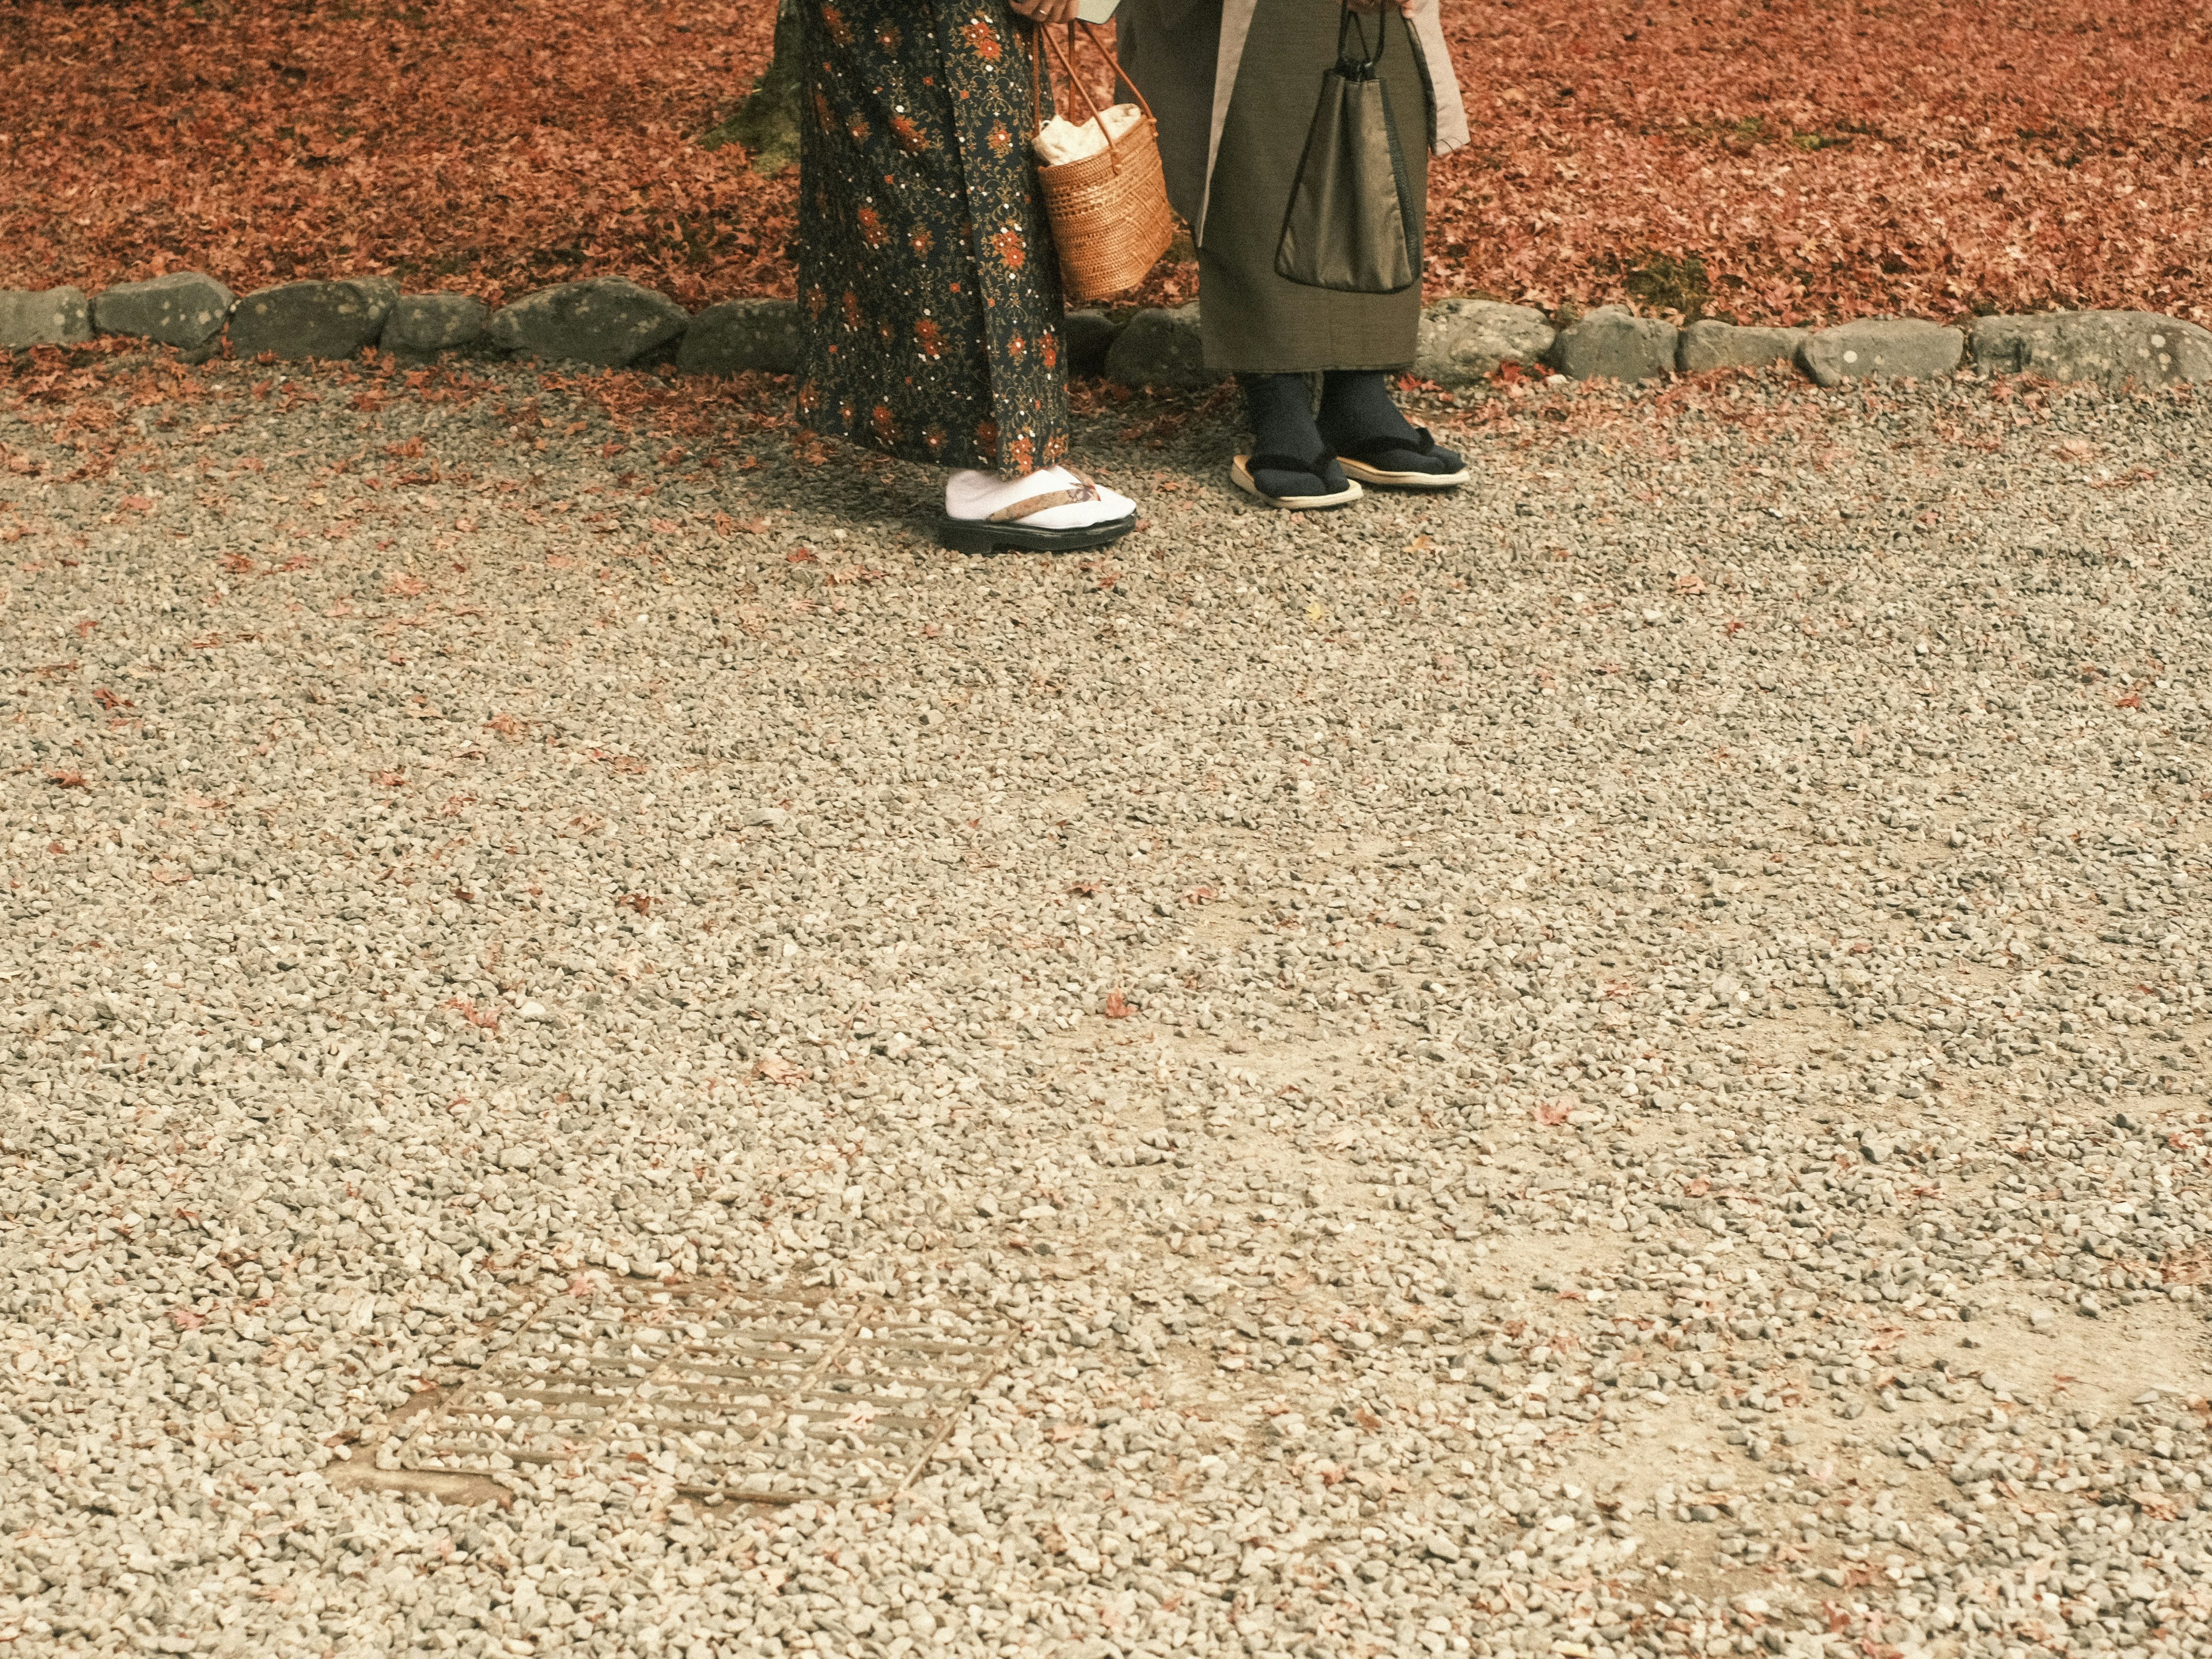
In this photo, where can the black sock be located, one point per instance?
(1283, 425)
(1357, 410)
(1356, 404)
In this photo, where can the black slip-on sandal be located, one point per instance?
(1359, 460)
(1242, 469)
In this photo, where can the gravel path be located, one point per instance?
(1608, 1067)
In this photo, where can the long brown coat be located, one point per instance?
(1184, 55)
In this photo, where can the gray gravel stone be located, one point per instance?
(1464, 342)
(302, 321)
(1882, 349)
(1161, 348)
(1710, 345)
(423, 325)
(1610, 1064)
(1612, 343)
(606, 321)
(49, 316)
(2110, 348)
(741, 336)
(185, 309)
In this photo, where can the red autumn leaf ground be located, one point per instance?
(1797, 160)
(488, 147)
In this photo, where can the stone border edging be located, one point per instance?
(610, 322)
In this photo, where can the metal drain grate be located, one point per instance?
(734, 1393)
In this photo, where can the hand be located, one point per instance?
(1047, 12)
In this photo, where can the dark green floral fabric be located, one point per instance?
(929, 292)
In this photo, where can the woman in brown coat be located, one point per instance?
(1233, 84)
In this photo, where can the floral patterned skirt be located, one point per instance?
(929, 292)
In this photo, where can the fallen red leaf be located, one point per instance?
(484, 1018)
(1968, 156)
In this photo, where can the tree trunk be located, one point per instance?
(766, 125)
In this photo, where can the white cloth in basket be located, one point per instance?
(1060, 141)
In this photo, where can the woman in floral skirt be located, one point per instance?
(929, 291)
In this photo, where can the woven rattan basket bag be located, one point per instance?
(1109, 213)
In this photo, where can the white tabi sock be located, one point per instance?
(975, 496)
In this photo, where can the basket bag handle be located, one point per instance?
(1064, 58)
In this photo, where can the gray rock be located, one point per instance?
(383, 293)
(300, 321)
(421, 324)
(1881, 348)
(2110, 348)
(1091, 334)
(1724, 345)
(606, 321)
(739, 335)
(1464, 342)
(184, 308)
(1161, 348)
(1614, 343)
(46, 316)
